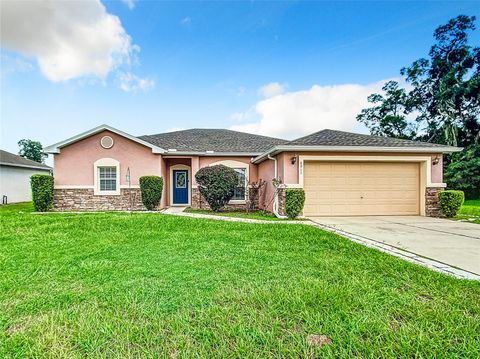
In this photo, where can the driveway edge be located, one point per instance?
(400, 253)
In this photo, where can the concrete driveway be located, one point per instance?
(454, 243)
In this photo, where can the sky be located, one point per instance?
(283, 69)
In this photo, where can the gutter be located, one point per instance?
(275, 199)
(278, 149)
(26, 166)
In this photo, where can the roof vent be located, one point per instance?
(209, 151)
(172, 150)
(106, 142)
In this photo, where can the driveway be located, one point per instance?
(450, 242)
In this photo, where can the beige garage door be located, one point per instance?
(361, 188)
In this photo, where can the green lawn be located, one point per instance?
(470, 211)
(151, 285)
(238, 214)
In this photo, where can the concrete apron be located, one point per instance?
(453, 243)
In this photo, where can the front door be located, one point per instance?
(180, 186)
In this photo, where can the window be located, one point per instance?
(181, 179)
(239, 192)
(107, 177)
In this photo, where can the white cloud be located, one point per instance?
(294, 114)
(132, 83)
(187, 20)
(272, 89)
(68, 39)
(130, 3)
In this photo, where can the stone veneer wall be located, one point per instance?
(281, 201)
(198, 202)
(84, 200)
(432, 204)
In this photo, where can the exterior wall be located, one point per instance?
(74, 163)
(15, 183)
(74, 173)
(266, 172)
(83, 199)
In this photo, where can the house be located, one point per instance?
(15, 172)
(342, 173)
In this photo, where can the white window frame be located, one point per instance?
(237, 164)
(105, 162)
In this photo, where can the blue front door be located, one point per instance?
(180, 187)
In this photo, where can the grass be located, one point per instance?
(266, 216)
(151, 285)
(470, 211)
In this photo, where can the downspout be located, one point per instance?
(275, 199)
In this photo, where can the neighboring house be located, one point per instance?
(15, 172)
(342, 173)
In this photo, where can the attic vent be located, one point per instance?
(106, 142)
(209, 151)
(172, 150)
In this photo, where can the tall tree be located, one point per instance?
(446, 86)
(32, 150)
(388, 115)
(446, 92)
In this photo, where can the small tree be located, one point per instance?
(32, 150)
(216, 184)
(151, 188)
(42, 192)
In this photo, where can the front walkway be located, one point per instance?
(449, 243)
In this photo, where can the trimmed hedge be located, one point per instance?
(450, 202)
(151, 188)
(42, 192)
(294, 201)
(216, 184)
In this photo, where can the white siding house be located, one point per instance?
(15, 172)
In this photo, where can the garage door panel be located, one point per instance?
(358, 188)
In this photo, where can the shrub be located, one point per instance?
(151, 188)
(216, 184)
(42, 192)
(450, 202)
(294, 201)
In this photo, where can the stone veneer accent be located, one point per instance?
(198, 202)
(281, 201)
(76, 199)
(432, 204)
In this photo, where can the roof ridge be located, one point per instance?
(212, 129)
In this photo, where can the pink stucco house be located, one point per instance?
(342, 173)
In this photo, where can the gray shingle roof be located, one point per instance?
(340, 138)
(217, 140)
(10, 159)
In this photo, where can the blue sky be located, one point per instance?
(203, 64)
